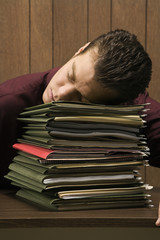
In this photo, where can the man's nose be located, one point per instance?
(69, 92)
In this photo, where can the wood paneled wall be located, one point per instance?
(37, 35)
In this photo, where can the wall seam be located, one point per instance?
(52, 33)
(146, 21)
(110, 15)
(87, 20)
(29, 36)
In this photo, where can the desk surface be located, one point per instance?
(17, 213)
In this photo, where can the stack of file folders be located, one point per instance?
(74, 156)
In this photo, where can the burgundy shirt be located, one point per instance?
(24, 91)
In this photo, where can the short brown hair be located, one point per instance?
(122, 64)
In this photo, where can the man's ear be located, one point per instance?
(81, 49)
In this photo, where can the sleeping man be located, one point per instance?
(112, 69)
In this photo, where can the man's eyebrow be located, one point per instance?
(74, 70)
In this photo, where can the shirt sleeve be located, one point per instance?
(153, 131)
(15, 95)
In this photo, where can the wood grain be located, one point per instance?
(99, 18)
(14, 40)
(130, 15)
(70, 28)
(40, 35)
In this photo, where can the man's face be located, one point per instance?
(75, 82)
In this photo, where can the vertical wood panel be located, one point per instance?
(70, 28)
(98, 18)
(153, 48)
(14, 40)
(130, 15)
(41, 35)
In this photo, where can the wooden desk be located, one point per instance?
(17, 213)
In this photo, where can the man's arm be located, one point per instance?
(15, 95)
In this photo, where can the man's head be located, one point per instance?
(112, 69)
